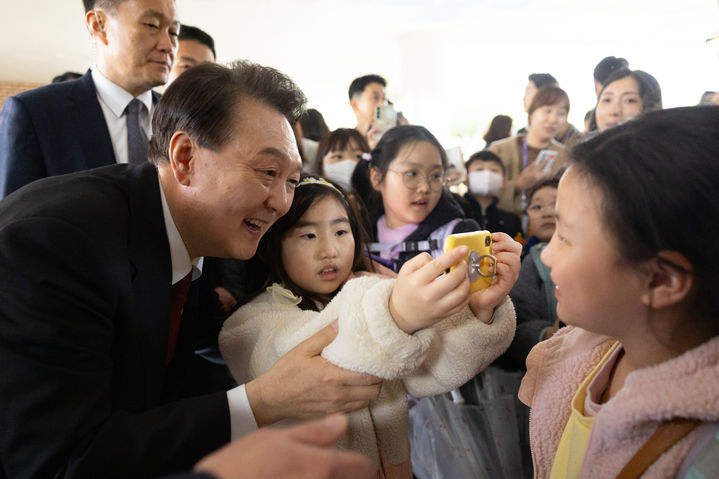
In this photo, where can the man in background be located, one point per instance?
(604, 68)
(104, 117)
(534, 83)
(366, 93)
(194, 48)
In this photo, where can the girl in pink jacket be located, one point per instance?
(635, 261)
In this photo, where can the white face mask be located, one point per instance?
(341, 173)
(485, 183)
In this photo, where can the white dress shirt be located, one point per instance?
(113, 101)
(242, 420)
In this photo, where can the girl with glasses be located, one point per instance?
(409, 210)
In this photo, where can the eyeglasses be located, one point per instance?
(538, 209)
(413, 179)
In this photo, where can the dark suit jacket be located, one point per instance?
(85, 277)
(53, 130)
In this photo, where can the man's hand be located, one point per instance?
(302, 384)
(302, 451)
(508, 253)
(373, 136)
(421, 297)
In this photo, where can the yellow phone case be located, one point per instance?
(482, 265)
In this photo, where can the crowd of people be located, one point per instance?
(179, 272)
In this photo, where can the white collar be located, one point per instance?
(180, 257)
(114, 96)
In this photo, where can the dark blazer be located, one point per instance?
(85, 277)
(53, 130)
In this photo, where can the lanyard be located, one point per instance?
(524, 153)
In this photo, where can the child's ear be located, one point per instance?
(375, 177)
(668, 285)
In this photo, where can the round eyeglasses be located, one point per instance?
(413, 179)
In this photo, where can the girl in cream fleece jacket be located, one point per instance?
(417, 333)
(635, 262)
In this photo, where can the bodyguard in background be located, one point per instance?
(104, 117)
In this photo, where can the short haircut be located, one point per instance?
(548, 95)
(359, 84)
(206, 100)
(109, 5)
(541, 79)
(552, 182)
(484, 155)
(188, 32)
(606, 66)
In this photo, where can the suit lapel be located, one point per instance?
(86, 117)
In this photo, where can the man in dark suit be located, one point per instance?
(95, 366)
(73, 126)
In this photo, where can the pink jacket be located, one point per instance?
(686, 386)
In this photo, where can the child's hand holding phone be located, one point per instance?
(507, 253)
(421, 297)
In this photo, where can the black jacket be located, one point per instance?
(85, 276)
(494, 219)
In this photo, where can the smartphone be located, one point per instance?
(385, 117)
(482, 264)
(550, 156)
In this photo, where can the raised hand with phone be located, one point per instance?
(538, 170)
(423, 295)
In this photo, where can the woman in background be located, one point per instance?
(499, 129)
(626, 95)
(521, 153)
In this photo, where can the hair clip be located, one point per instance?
(367, 156)
(311, 180)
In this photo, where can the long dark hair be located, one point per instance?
(383, 154)
(270, 247)
(649, 91)
(658, 175)
(499, 129)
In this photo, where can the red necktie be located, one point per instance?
(177, 301)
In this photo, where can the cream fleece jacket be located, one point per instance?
(428, 362)
(686, 386)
